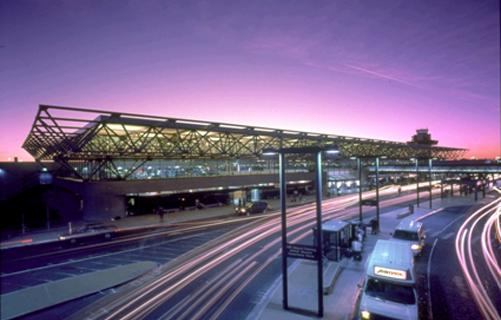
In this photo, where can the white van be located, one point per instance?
(411, 231)
(389, 291)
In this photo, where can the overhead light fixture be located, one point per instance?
(269, 152)
(332, 149)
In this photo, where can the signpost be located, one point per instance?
(299, 251)
(302, 251)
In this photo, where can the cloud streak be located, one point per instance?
(381, 75)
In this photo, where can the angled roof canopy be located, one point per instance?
(73, 134)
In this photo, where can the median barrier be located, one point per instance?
(24, 301)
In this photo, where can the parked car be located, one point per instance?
(252, 207)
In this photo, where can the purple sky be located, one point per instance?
(378, 69)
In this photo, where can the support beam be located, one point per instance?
(319, 241)
(377, 191)
(359, 169)
(320, 273)
(283, 209)
(417, 182)
(93, 137)
(430, 178)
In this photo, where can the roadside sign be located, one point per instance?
(302, 251)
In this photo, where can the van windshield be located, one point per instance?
(405, 235)
(390, 291)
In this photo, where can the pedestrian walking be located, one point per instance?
(161, 213)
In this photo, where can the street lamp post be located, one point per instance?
(417, 182)
(320, 268)
(359, 169)
(297, 250)
(283, 198)
(430, 178)
(377, 191)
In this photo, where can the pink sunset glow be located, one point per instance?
(246, 64)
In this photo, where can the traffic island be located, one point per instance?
(302, 290)
(28, 300)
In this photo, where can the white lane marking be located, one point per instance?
(258, 310)
(449, 235)
(92, 257)
(430, 313)
(429, 214)
(449, 224)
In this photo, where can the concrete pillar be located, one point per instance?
(377, 190)
(430, 177)
(417, 182)
(101, 203)
(239, 197)
(359, 171)
(256, 194)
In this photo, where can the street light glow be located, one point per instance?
(269, 152)
(332, 149)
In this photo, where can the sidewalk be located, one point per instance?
(341, 303)
(151, 221)
(142, 221)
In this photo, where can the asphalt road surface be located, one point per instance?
(226, 278)
(207, 272)
(445, 291)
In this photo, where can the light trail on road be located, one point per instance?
(469, 265)
(139, 302)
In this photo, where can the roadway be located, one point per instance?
(113, 241)
(57, 260)
(211, 269)
(445, 289)
(224, 278)
(477, 245)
